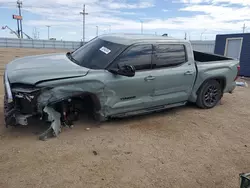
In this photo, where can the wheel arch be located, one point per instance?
(213, 100)
(220, 79)
(92, 97)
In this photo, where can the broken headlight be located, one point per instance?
(25, 98)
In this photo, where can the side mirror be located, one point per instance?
(125, 70)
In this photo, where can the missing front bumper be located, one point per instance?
(12, 116)
(9, 113)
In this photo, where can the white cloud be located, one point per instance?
(194, 1)
(230, 2)
(63, 15)
(239, 2)
(72, 33)
(220, 13)
(140, 5)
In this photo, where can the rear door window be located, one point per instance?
(168, 55)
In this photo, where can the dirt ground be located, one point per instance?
(182, 147)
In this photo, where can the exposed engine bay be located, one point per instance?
(24, 102)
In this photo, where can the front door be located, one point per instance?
(174, 74)
(127, 94)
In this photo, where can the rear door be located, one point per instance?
(174, 73)
(131, 93)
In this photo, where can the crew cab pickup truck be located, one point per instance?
(114, 76)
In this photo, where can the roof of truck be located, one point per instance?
(128, 39)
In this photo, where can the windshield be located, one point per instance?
(96, 54)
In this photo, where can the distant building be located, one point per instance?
(236, 46)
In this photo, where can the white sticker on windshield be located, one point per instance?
(105, 50)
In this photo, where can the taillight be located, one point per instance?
(238, 72)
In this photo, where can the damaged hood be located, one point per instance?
(33, 69)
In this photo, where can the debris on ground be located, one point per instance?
(94, 152)
(243, 84)
(55, 127)
(127, 152)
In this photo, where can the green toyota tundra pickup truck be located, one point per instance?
(114, 75)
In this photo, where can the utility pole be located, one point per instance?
(185, 36)
(141, 27)
(97, 30)
(83, 22)
(48, 30)
(244, 27)
(18, 29)
(35, 33)
(19, 5)
(203, 33)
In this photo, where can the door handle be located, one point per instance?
(189, 73)
(149, 78)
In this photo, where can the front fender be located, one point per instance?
(68, 89)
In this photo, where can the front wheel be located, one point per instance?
(209, 94)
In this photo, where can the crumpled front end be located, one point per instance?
(57, 101)
(19, 102)
(9, 107)
(50, 87)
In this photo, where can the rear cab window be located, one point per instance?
(168, 55)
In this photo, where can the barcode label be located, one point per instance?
(105, 50)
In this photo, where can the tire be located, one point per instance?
(209, 94)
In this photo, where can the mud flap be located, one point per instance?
(55, 118)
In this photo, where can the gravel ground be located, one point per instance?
(182, 147)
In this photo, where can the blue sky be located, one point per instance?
(198, 18)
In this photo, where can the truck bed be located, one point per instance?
(207, 57)
(214, 66)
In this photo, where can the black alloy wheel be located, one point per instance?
(209, 94)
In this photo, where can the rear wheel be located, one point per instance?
(209, 94)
